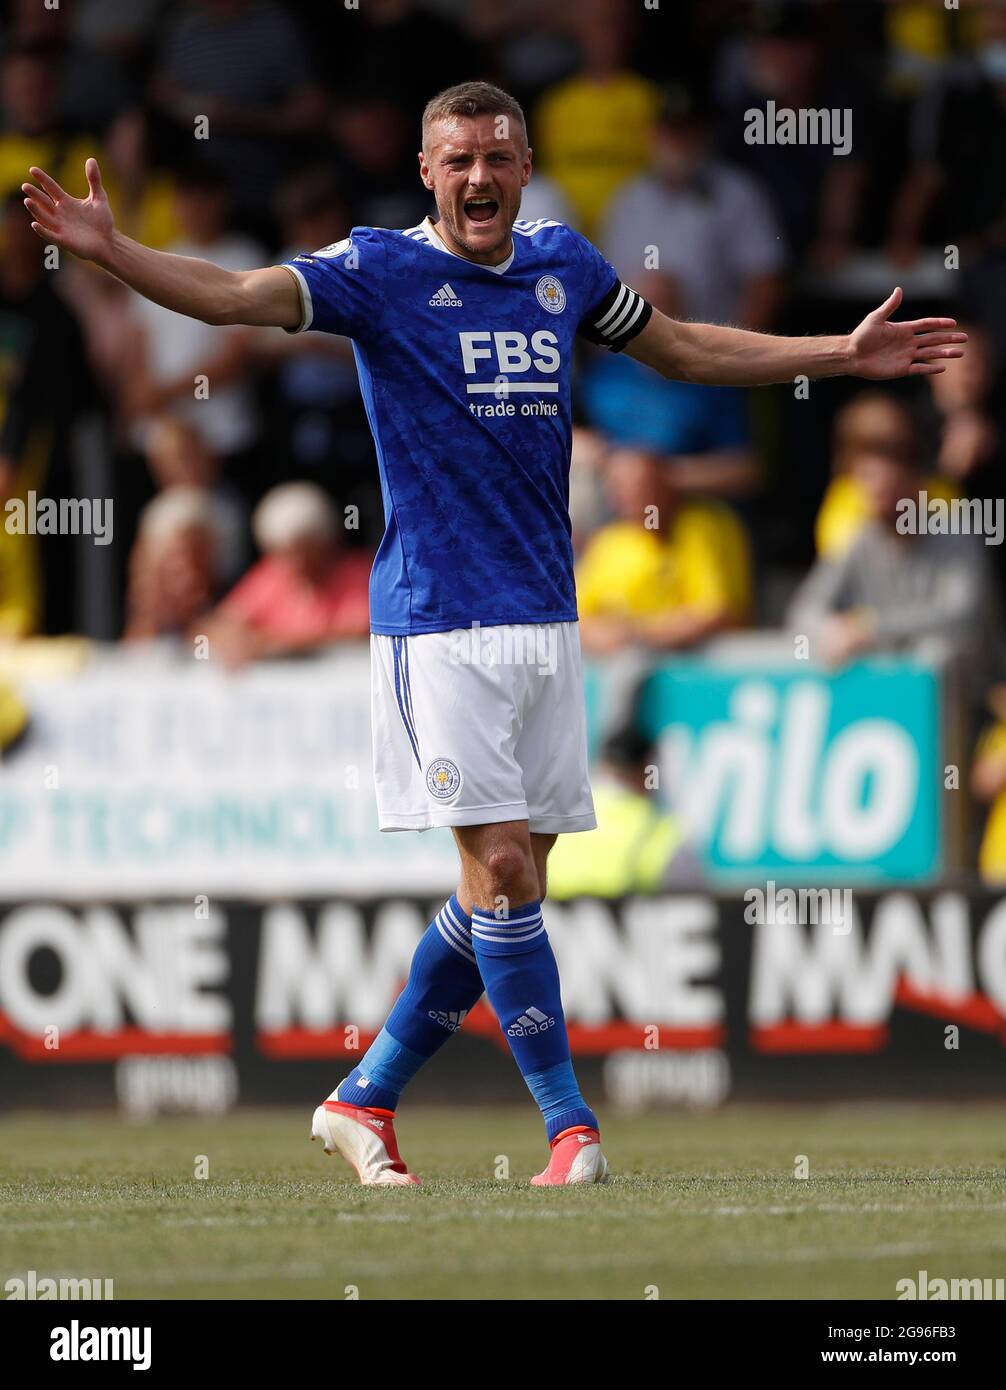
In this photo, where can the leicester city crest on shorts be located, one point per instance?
(443, 779)
(550, 294)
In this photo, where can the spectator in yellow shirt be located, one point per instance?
(903, 584)
(669, 573)
(988, 785)
(919, 43)
(20, 582)
(13, 717)
(638, 845)
(45, 387)
(988, 782)
(873, 421)
(30, 135)
(592, 132)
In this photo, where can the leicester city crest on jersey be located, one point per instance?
(443, 779)
(550, 294)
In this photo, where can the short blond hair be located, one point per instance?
(473, 99)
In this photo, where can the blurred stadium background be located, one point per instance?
(197, 910)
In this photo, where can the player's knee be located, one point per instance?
(509, 873)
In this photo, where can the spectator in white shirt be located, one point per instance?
(699, 223)
(170, 354)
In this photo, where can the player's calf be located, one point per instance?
(357, 1120)
(522, 981)
(443, 984)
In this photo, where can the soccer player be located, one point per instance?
(464, 331)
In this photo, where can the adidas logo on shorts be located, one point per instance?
(446, 298)
(530, 1022)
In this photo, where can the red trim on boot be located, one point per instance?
(382, 1120)
(349, 1109)
(574, 1129)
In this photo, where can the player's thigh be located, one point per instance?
(464, 722)
(552, 747)
(397, 773)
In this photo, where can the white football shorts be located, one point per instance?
(481, 725)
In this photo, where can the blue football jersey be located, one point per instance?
(465, 374)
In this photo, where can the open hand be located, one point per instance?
(81, 225)
(882, 350)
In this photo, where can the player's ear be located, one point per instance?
(424, 171)
(525, 178)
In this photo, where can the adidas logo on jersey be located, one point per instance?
(452, 1020)
(531, 1021)
(446, 298)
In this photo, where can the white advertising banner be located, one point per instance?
(141, 777)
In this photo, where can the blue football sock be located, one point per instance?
(444, 982)
(522, 981)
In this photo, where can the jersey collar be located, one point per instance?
(430, 229)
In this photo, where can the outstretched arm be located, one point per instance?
(878, 350)
(85, 226)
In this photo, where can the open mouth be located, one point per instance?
(481, 210)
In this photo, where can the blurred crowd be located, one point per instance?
(247, 505)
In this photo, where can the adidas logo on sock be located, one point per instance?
(450, 1020)
(446, 298)
(531, 1021)
(378, 1124)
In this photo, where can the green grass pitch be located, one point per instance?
(700, 1206)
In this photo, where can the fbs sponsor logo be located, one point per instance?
(510, 354)
(446, 298)
(531, 1021)
(451, 1020)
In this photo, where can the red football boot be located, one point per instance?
(576, 1157)
(366, 1140)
